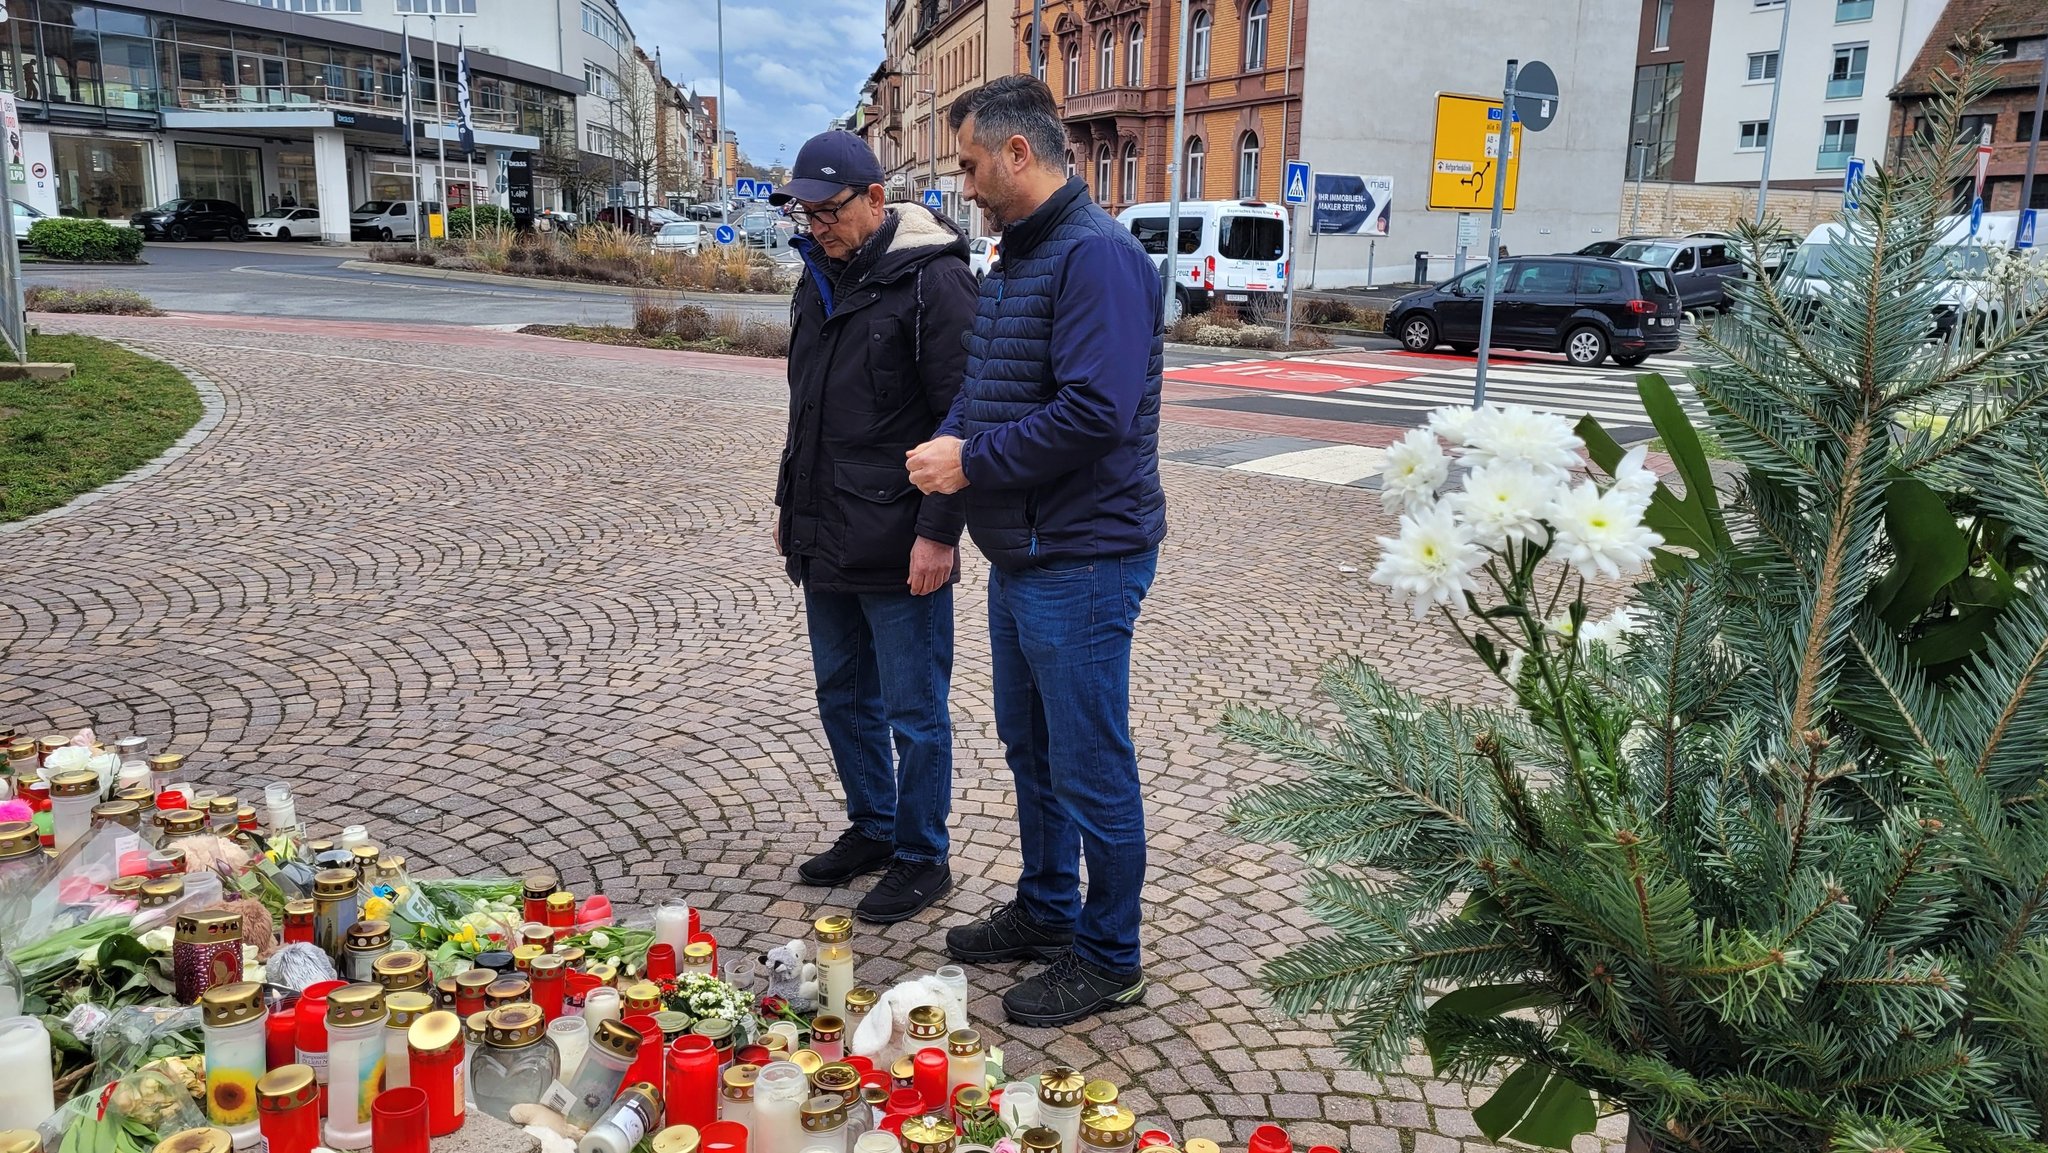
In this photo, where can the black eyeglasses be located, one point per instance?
(827, 214)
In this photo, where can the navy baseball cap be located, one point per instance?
(828, 164)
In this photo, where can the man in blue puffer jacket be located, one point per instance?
(1054, 439)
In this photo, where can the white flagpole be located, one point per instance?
(441, 137)
(412, 136)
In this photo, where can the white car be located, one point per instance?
(25, 217)
(288, 224)
(680, 236)
(982, 253)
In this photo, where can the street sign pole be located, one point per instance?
(2034, 141)
(1169, 268)
(1287, 333)
(1294, 192)
(1763, 183)
(1500, 191)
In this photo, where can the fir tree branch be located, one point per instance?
(2024, 683)
(1813, 662)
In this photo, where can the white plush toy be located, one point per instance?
(793, 978)
(884, 1037)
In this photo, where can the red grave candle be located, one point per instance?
(661, 963)
(647, 1064)
(722, 1137)
(930, 1078)
(692, 1090)
(281, 1038)
(288, 1109)
(1270, 1139)
(434, 1047)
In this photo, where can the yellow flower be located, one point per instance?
(466, 937)
(376, 909)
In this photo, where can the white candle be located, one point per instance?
(672, 926)
(282, 809)
(354, 836)
(28, 1095)
(779, 1094)
(600, 1004)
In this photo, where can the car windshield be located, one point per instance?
(172, 205)
(1809, 262)
(279, 214)
(679, 229)
(374, 207)
(1643, 252)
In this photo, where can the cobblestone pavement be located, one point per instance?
(515, 602)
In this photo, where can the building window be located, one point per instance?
(1981, 126)
(1755, 134)
(1850, 11)
(1654, 132)
(1255, 36)
(601, 26)
(1837, 142)
(437, 7)
(1197, 159)
(1198, 46)
(1105, 62)
(2026, 129)
(1039, 70)
(1248, 167)
(601, 83)
(100, 178)
(1845, 79)
(1763, 66)
(1130, 173)
(1660, 34)
(1070, 164)
(2023, 48)
(211, 172)
(1073, 67)
(1102, 188)
(1134, 57)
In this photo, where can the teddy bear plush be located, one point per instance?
(792, 977)
(884, 1037)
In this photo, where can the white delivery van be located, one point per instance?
(1233, 251)
(389, 220)
(1965, 263)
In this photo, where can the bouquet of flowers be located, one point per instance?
(704, 998)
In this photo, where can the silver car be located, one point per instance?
(686, 236)
(1701, 266)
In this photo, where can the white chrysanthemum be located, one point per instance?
(1504, 502)
(1430, 563)
(1542, 440)
(1611, 631)
(1454, 424)
(1415, 467)
(1632, 479)
(1600, 534)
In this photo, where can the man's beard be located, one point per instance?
(996, 200)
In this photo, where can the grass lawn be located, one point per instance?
(59, 439)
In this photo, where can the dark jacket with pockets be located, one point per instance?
(1059, 409)
(875, 359)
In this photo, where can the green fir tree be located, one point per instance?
(1770, 871)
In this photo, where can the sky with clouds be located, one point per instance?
(791, 66)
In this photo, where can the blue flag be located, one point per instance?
(465, 129)
(406, 81)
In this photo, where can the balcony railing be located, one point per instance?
(1848, 89)
(1834, 161)
(305, 98)
(1849, 11)
(1106, 102)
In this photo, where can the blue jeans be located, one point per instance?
(1061, 646)
(884, 664)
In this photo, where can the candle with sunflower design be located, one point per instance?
(355, 1062)
(232, 1019)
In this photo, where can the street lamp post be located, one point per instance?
(2034, 142)
(1763, 184)
(1635, 219)
(718, 126)
(1169, 269)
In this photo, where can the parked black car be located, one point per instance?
(1586, 307)
(193, 220)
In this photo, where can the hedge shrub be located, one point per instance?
(66, 238)
(464, 222)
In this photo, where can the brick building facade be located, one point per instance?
(2018, 29)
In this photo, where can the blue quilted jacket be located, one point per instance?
(1059, 407)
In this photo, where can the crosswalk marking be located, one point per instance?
(1331, 464)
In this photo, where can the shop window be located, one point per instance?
(214, 172)
(100, 178)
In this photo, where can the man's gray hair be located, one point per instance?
(1014, 106)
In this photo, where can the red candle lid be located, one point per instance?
(1270, 1139)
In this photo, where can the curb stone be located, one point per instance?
(781, 299)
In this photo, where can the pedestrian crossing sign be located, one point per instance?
(1296, 191)
(934, 199)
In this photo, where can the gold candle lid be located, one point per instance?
(571, 956)
(184, 823)
(515, 1026)
(1200, 1145)
(407, 1008)
(834, 928)
(1040, 1140)
(643, 993)
(119, 812)
(1099, 1092)
(774, 1042)
(223, 806)
(166, 762)
(837, 1078)
(476, 1027)
(77, 783)
(808, 1060)
(208, 1140)
(20, 749)
(904, 1071)
(20, 1140)
(826, 1027)
(19, 839)
(539, 936)
(435, 1032)
(971, 1099)
(162, 891)
(355, 1005)
(51, 743)
(860, 999)
(334, 884)
(143, 796)
(927, 1023)
(509, 991)
(547, 967)
(928, 1133)
(313, 849)
(287, 1087)
(540, 886)
(964, 1043)
(225, 1005)
(697, 955)
(739, 1082)
(369, 936)
(522, 957)
(1061, 1086)
(823, 1113)
(401, 970)
(208, 927)
(129, 887)
(561, 902)
(1108, 1126)
(676, 1139)
(617, 1038)
(475, 980)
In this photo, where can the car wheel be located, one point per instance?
(1418, 333)
(175, 232)
(238, 232)
(1585, 347)
(1629, 361)
(284, 234)
(384, 234)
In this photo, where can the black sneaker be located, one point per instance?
(851, 856)
(1007, 935)
(909, 888)
(1070, 989)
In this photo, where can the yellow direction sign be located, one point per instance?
(1466, 159)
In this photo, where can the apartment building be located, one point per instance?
(2018, 32)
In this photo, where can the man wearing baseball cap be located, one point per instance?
(875, 360)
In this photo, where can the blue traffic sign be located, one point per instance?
(763, 190)
(743, 189)
(2025, 237)
(726, 234)
(1976, 215)
(1852, 183)
(1295, 191)
(934, 199)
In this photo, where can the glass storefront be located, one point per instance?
(217, 172)
(297, 186)
(99, 178)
